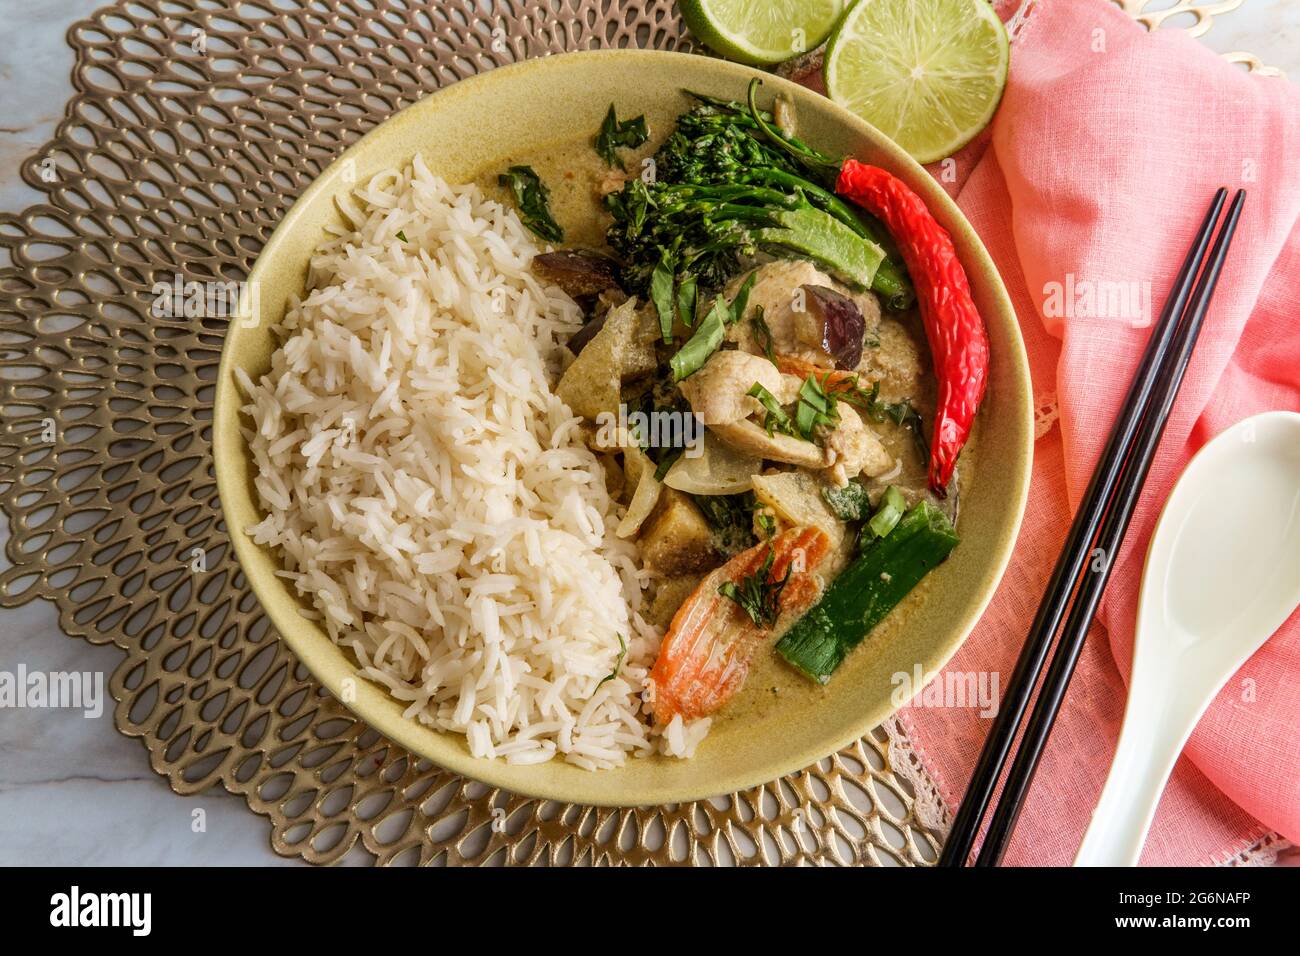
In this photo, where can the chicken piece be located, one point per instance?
(718, 391)
(895, 363)
(796, 329)
(849, 449)
(718, 394)
(852, 449)
(753, 439)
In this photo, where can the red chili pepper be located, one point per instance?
(958, 340)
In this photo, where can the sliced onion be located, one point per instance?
(644, 499)
(717, 470)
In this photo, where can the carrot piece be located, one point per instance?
(706, 653)
(827, 377)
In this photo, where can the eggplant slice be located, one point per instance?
(578, 272)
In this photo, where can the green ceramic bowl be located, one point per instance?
(535, 109)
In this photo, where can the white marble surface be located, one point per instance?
(72, 789)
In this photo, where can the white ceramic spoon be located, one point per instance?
(1222, 574)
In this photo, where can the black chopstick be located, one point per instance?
(1074, 554)
(1113, 528)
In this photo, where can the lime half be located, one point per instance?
(761, 32)
(926, 73)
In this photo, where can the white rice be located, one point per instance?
(430, 495)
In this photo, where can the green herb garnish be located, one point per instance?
(666, 461)
(741, 302)
(776, 420)
(628, 134)
(686, 295)
(757, 595)
(815, 407)
(850, 503)
(661, 294)
(763, 333)
(709, 334)
(618, 662)
(766, 524)
(532, 198)
(732, 519)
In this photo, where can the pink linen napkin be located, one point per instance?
(1100, 163)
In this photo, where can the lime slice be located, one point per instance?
(761, 32)
(926, 73)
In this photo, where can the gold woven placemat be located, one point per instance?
(195, 127)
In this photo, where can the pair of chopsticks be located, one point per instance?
(1083, 567)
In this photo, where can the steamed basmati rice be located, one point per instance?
(430, 495)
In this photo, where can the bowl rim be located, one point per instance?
(370, 703)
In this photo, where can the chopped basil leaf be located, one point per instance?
(709, 333)
(763, 333)
(731, 518)
(758, 595)
(704, 342)
(661, 294)
(669, 458)
(686, 296)
(741, 302)
(618, 663)
(849, 503)
(532, 197)
(613, 134)
(776, 419)
(816, 407)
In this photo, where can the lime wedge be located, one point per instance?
(761, 32)
(926, 73)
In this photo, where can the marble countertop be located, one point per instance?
(72, 789)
